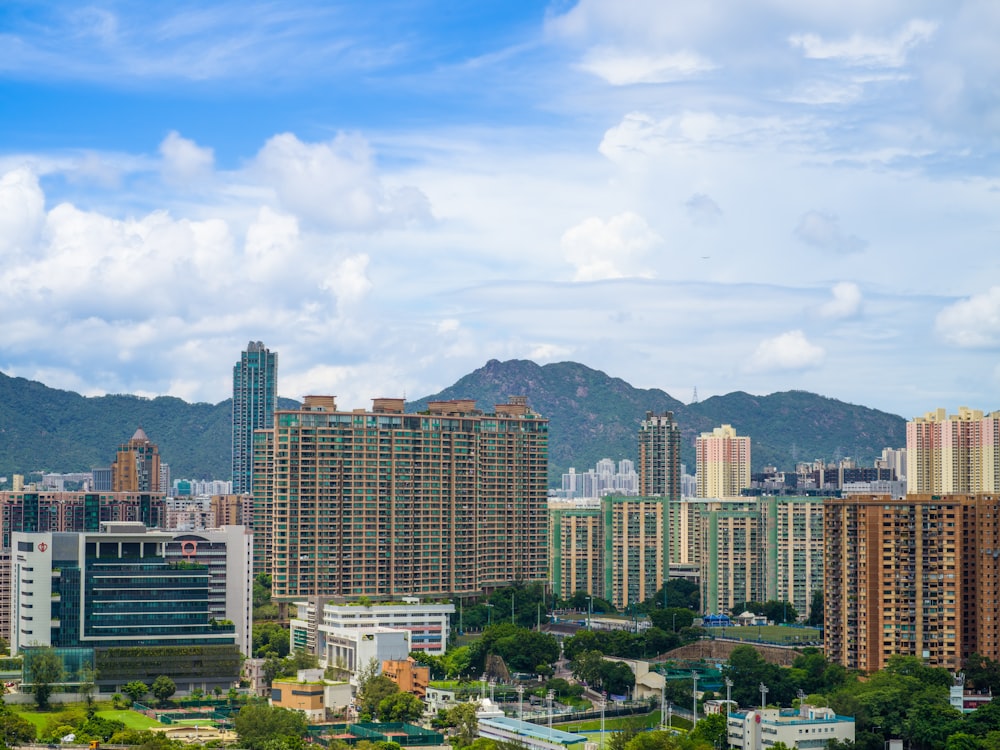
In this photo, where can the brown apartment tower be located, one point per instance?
(136, 467)
(918, 576)
(382, 503)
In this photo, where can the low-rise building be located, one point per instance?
(805, 727)
(408, 675)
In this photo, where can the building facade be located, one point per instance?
(115, 592)
(951, 454)
(385, 503)
(804, 727)
(660, 462)
(136, 467)
(255, 399)
(918, 577)
(722, 462)
(614, 548)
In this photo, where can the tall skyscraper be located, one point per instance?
(957, 453)
(917, 576)
(722, 462)
(660, 465)
(255, 398)
(384, 503)
(136, 467)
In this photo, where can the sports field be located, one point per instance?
(779, 634)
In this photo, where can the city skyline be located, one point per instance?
(755, 198)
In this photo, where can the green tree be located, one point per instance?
(400, 706)
(962, 741)
(163, 687)
(711, 729)
(136, 690)
(463, 718)
(374, 692)
(816, 609)
(258, 723)
(672, 619)
(46, 670)
(15, 728)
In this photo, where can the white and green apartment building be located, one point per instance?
(805, 727)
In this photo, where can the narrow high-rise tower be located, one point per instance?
(660, 469)
(136, 467)
(255, 397)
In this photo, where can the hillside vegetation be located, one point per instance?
(592, 416)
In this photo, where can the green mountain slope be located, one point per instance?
(592, 416)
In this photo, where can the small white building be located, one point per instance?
(806, 727)
(426, 624)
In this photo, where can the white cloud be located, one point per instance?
(335, 183)
(349, 281)
(626, 68)
(272, 244)
(609, 250)
(858, 49)
(973, 322)
(703, 210)
(788, 351)
(22, 208)
(823, 231)
(184, 160)
(846, 301)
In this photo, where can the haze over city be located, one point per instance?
(761, 196)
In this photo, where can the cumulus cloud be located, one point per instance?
(973, 322)
(184, 160)
(335, 183)
(703, 210)
(609, 250)
(22, 208)
(271, 246)
(858, 49)
(621, 68)
(349, 281)
(846, 301)
(789, 351)
(823, 231)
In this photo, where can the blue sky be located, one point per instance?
(758, 196)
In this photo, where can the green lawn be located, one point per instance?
(195, 722)
(768, 634)
(131, 719)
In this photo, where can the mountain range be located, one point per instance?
(591, 414)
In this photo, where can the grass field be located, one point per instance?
(131, 719)
(194, 722)
(769, 634)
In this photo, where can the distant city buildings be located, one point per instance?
(255, 399)
(136, 467)
(606, 478)
(722, 462)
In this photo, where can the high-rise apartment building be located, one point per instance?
(957, 453)
(722, 462)
(613, 548)
(918, 576)
(660, 463)
(385, 503)
(255, 398)
(136, 467)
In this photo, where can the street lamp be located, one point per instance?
(729, 687)
(694, 699)
(520, 702)
(493, 683)
(663, 703)
(590, 612)
(489, 614)
(548, 697)
(604, 702)
(763, 696)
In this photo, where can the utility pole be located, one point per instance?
(763, 696)
(729, 687)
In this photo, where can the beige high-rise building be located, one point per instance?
(918, 576)
(136, 467)
(957, 453)
(383, 503)
(722, 461)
